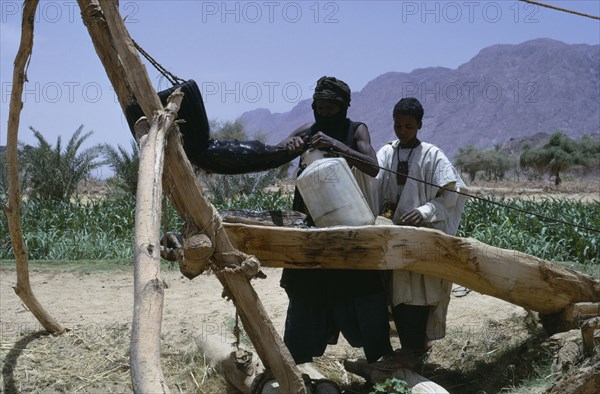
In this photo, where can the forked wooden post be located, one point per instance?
(122, 63)
(23, 288)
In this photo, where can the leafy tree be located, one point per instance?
(498, 163)
(124, 165)
(261, 136)
(467, 160)
(493, 162)
(473, 160)
(54, 172)
(234, 131)
(590, 152)
(558, 155)
(228, 130)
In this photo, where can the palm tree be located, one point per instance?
(54, 173)
(124, 165)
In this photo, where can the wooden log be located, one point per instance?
(197, 250)
(239, 367)
(264, 218)
(513, 276)
(570, 317)
(583, 381)
(23, 288)
(94, 21)
(577, 313)
(171, 247)
(131, 65)
(243, 370)
(587, 333)
(276, 218)
(146, 370)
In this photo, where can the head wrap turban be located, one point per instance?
(330, 88)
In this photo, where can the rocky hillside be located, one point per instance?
(504, 92)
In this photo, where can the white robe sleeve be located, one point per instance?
(437, 209)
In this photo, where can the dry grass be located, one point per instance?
(95, 361)
(78, 361)
(496, 357)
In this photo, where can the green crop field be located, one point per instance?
(104, 229)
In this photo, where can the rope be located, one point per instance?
(165, 220)
(560, 9)
(538, 215)
(166, 73)
(236, 330)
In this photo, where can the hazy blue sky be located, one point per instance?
(250, 54)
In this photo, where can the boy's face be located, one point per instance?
(406, 127)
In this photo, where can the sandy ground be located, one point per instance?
(191, 308)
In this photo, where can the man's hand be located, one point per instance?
(322, 141)
(295, 144)
(412, 218)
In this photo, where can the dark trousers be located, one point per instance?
(411, 324)
(330, 301)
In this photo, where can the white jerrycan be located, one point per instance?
(331, 193)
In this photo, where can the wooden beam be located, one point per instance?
(135, 71)
(186, 194)
(513, 276)
(146, 371)
(94, 20)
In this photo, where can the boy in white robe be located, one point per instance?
(419, 302)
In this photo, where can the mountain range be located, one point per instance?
(504, 93)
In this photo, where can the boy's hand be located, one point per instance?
(412, 218)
